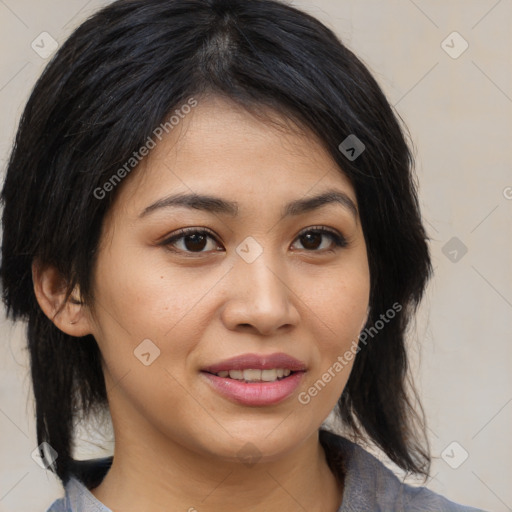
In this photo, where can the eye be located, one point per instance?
(311, 238)
(194, 240)
(190, 240)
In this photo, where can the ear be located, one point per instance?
(71, 316)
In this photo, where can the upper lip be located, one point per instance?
(257, 362)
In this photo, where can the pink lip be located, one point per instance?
(256, 393)
(257, 362)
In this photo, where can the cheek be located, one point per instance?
(145, 308)
(338, 303)
(338, 308)
(147, 296)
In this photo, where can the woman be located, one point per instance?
(211, 227)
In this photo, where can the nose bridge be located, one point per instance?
(265, 276)
(265, 282)
(259, 264)
(259, 295)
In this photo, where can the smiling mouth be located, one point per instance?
(254, 375)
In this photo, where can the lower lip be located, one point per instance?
(255, 393)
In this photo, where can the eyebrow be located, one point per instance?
(218, 205)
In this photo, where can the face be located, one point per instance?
(192, 294)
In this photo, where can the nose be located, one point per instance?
(260, 298)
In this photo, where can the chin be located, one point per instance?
(257, 444)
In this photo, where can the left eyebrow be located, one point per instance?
(308, 204)
(218, 205)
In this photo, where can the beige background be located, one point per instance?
(459, 112)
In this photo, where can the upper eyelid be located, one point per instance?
(186, 231)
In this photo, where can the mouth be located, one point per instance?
(279, 363)
(256, 380)
(255, 375)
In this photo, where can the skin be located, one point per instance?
(176, 439)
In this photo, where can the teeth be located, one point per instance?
(251, 375)
(268, 375)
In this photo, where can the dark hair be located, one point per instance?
(115, 79)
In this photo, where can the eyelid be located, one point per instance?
(323, 229)
(185, 231)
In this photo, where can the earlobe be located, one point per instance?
(50, 287)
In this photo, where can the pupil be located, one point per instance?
(308, 238)
(198, 242)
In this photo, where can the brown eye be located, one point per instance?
(312, 239)
(196, 242)
(190, 241)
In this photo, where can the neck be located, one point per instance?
(160, 475)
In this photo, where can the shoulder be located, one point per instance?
(78, 498)
(60, 506)
(370, 485)
(87, 475)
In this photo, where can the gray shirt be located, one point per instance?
(368, 486)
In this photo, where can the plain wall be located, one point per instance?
(459, 113)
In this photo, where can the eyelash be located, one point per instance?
(339, 240)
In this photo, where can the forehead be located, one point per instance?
(221, 149)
